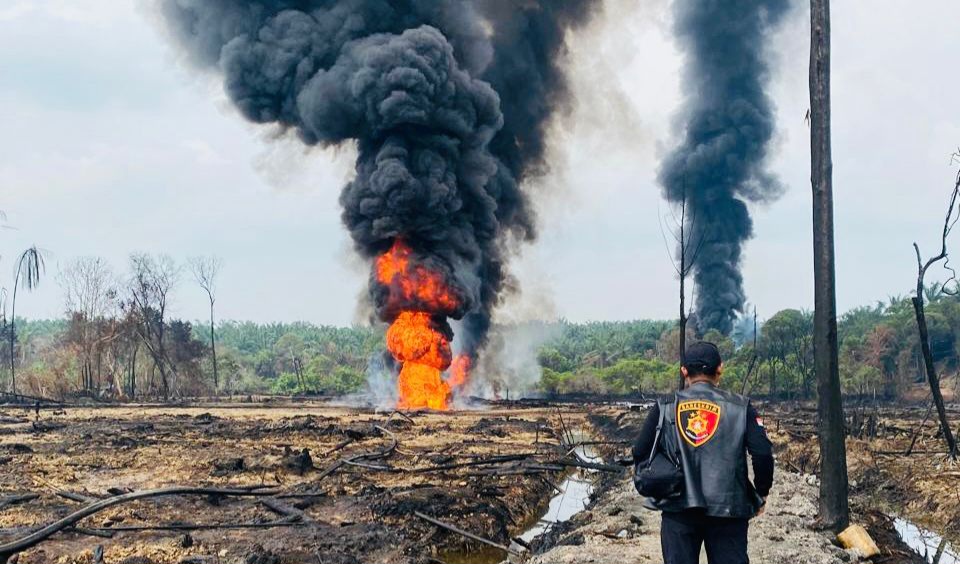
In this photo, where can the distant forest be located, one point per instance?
(130, 352)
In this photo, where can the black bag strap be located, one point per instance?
(656, 439)
(673, 456)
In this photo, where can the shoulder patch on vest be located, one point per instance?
(697, 421)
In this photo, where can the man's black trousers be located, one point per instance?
(683, 533)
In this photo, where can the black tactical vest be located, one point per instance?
(709, 434)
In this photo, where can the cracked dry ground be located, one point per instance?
(362, 512)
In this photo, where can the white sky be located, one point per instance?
(109, 146)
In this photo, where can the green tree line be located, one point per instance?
(127, 347)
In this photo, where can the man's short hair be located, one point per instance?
(703, 358)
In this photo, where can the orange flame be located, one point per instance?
(459, 371)
(413, 339)
(425, 353)
(416, 284)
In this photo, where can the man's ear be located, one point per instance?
(683, 370)
(720, 371)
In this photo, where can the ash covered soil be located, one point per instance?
(342, 485)
(330, 504)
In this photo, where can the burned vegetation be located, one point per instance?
(253, 483)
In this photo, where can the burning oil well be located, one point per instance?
(447, 102)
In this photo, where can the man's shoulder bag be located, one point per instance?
(660, 476)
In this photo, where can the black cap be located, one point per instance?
(702, 358)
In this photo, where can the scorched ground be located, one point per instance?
(339, 486)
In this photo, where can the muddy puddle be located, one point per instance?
(574, 496)
(931, 546)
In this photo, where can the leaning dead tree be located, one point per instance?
(834, 505)
(953, 214)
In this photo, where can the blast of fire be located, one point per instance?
(413, 284)
(422, 301)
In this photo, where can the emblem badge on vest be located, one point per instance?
(697, 421)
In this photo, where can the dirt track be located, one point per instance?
(618, 530)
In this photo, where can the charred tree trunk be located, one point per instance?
(929, 368)
(213, 351)
(13, 338)
(834, 508)
(133, 372)
(683, 320)
(688, 255)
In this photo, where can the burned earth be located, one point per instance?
(311, 482)
(303, 482)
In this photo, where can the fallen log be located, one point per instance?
(339, 446)
(291, 514)
(17, 499)
(16, 546)
(80, 498)
(200, 526)
(507, 472)
(376, 467)
(18, 399)
(466, 534)
(588, 465)
(485, 462)
(401, 414)
(105, 534)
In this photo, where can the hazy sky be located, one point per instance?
(108, 145)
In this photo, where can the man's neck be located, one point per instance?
(701, 381)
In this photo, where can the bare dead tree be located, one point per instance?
(205, 270)
(834, 504)
(30, 266)
(688, 248)
(152, 280)
(953, 215)
(90, 293)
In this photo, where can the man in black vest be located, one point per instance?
(710, 431)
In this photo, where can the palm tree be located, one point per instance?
(29, 267)
(933, 292)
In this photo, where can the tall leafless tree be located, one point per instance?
(688, 248)
(152, 280)
(205, 270)
(30, 266)
(834, 505)
(953, 214)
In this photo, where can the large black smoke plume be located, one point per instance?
(447, 100)
(727, 123)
